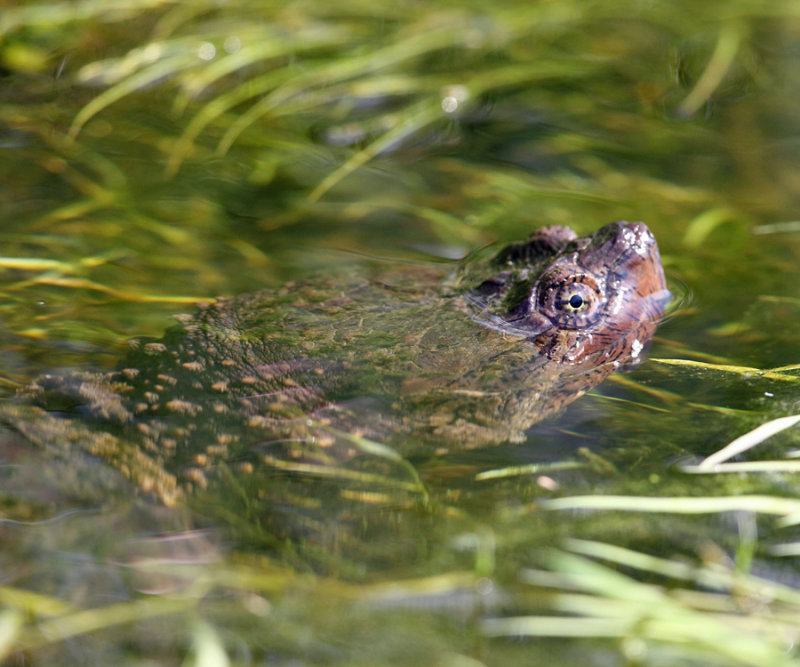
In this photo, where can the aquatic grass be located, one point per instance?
(208, 647)
(30, 602)
(600, 601)
(790, 226)
(584, 599)
(274, 601)
(529, 469)
(48, 620)
(91, 620)
(638, 404)
(698, 229)
(728, 43)
(331, 126)
(746, 441)
(53, 14)
(329, 471)
(345, 77)
(787, 508)
(745, 371)
(378, 449)
(163, 66)
(62, 274)
(747, 466)
(134, 296)
(11, 621)
(416, 118)
(785, 550)
(694, 354)
(266, 89)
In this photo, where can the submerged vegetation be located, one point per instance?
(154, 153)
(162, 135)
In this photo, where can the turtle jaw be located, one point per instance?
(637, 289)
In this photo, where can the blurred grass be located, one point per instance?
(156, 152)
(598, 600)
(658, 610)
(193, 144)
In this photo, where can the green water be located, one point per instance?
(157, 154)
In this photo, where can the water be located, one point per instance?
(498, 122)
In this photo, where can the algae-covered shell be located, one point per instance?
(413, 360)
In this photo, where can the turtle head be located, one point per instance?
(575, 297)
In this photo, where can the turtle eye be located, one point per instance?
(572, 299)
(576, 302)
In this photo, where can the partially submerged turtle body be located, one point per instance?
(414, 360)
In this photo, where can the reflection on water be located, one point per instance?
(313, 144)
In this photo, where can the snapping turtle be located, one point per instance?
(323, 370)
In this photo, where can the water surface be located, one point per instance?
(242, 148)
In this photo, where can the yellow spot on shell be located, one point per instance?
(183, 407)
(196, 475)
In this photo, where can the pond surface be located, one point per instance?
(232, 151)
